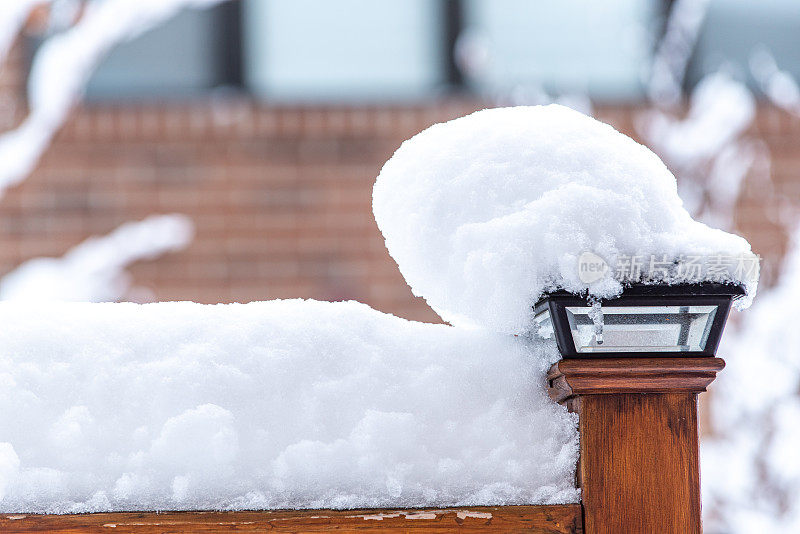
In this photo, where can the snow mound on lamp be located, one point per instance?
(486, 212)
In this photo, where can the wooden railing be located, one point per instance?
(551, 519)
(638, 469)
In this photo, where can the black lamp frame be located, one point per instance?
(705, 294)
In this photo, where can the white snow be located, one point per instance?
(778, 85)
(486, 212)
(708, 147)
(9, 467)
(94, 270)
(304, 404)
(281, 404)
(721, 108)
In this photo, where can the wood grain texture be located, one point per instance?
(639, 467)
(587, 376)
(559, 519)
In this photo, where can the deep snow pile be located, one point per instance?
(270, 405)
(485, 212)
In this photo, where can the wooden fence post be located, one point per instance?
(638, 469)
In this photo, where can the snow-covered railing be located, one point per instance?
(318, 407)
(638, 468)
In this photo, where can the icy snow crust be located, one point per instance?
(485, 212)
(281, 404)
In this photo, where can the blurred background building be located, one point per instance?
(265, 123)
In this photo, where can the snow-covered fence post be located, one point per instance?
(638, 469)
(505, 209)
(632, 368)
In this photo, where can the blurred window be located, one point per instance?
(315, 49)
(602, 49)
(734, 31)
(187, 55)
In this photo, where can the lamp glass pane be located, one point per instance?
(544, 324)
(642, 328)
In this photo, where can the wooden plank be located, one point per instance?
(559, 519)
(639, 467)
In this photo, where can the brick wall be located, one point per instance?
(280, 196)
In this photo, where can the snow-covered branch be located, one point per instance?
(12, 16)
(778, 85)
(94, 271)
(63, 65)
(674, 51)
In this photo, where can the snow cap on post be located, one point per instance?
(485, 213)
